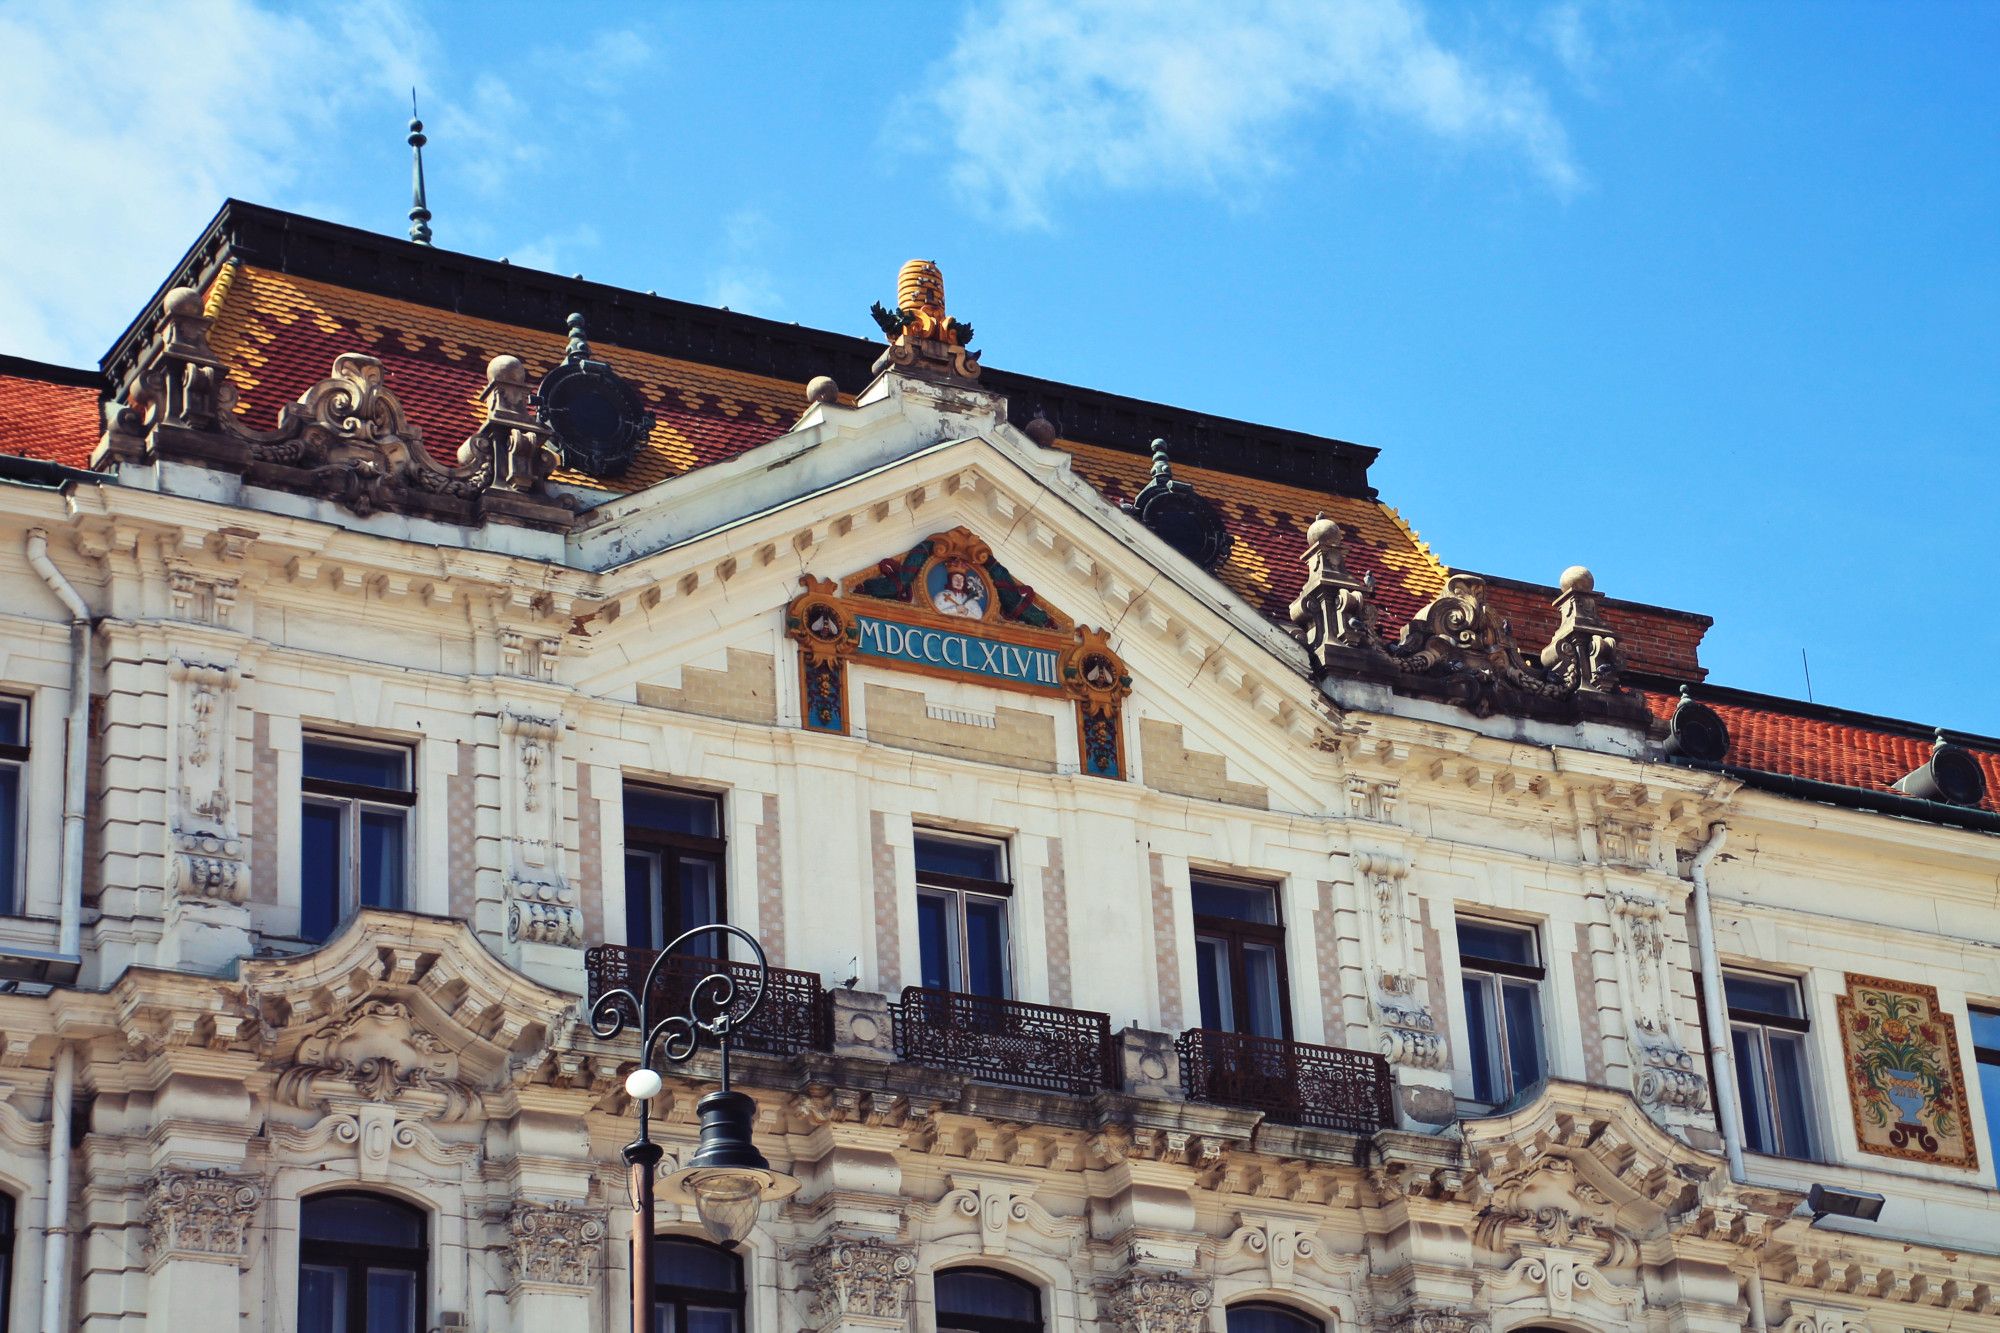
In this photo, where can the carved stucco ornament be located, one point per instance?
(377, 1052)
(858, 1277)
(201, 1214)
(1156, 1303)
(554, 1244)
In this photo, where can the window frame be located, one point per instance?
(1986, 1055)
(1760, 1024)
(1505, 973)
(1291, 1312)
(354, 800)
(676, 1297)
(977, 1323)
(957, 890)
(1236, 932)
(669, 847)
(14, 864)
(9, 1220)
(358, 1257)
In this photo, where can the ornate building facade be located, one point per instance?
(1196, 908)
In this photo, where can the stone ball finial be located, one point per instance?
(822, 389)
(1041, 430)
(182, 301)
(1162, 465)
(505, 369)
(1577, 579)
(1323, 531)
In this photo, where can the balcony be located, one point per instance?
(792, 1018)
(1006, 1041)
(1292, 1082)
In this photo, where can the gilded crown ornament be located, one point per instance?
(921, 335)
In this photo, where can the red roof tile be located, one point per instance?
(1652, 638)
(43, 419)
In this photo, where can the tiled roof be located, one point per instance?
(45, 418)
(1653, 639)
(1802, 745)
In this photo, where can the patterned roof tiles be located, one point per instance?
(40, 418)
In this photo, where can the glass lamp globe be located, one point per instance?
(727, 1179)
(642, 1084)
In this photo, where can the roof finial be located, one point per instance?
(420, 213)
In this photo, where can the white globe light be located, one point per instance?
(642, 1085)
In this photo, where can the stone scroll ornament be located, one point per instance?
(1904, 1080)
(947, 608)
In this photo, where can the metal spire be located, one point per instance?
(420, 213)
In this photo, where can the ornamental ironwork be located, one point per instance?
(1022, 1045)
(1292, 1082)
(793, 1017)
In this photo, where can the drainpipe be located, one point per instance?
(77, 757)
(55, 1250)
(1722, 1058)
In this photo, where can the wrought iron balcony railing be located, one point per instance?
(1006, 1041)
(792, 1018)
(1292, 1082)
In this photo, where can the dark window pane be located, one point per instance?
(642, 927)
(1762, 995)
(699, 903)
(1524, 1035)
(1989, 1096)
(935, 929)
(392, 1300)
(1482, 1038)
(1788, 1074)
(322, 850)
(1499, 944)
(985, 946)
(670, 812)
(1269, 1319)
(1211, 965)
(1262, 991)
(980, 1292)
(382, 858)
(364, 1219)
(13, 721)
(322, 1299)
(1986, 1029)
(1753, 1089)
(706, 1319)
(10, 838)
(959, 856)
(1237, 902)
(364, 765)
(695, 1266)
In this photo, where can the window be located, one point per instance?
(1986, 1050)
(1501, 967)
(1767, 1033)
(6, 1257)
(673, 868)
(979, 1300)
(353, 831)
(1257, 1317)
(1239, 950)
(13, 760)
(361, 1265)
(962, 892)
(697, 1287)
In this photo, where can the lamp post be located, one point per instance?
(726, 1179)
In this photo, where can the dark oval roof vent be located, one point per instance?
(1950, 775)
(1697, 731)
(597, 418)
(1179, 517)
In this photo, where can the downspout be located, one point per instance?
(76, 758)
(1722, 1059)
(62, 1080)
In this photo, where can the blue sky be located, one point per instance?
(1704, 297)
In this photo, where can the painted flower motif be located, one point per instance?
(1895, 1029)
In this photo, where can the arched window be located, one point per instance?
(362, 1260)
(6, 1257)
(1255, 1317)
(979, 1300)
(697, 1287)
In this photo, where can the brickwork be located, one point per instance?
(1434, 970)
(462, 832)
(1172, 767)
(1018, 739)
(1055, 915)
(1588, 1022)
(1327, 952)
(589, 857)
(744, 691)
(888, 956)
(1166, 949)
(263, 812)
(771, 883)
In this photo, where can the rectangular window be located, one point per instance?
(962, 893)
(673, 868)
(1239, 950)
(353, 830)
(1767, 1033)
(1501, 970)
(13, 771)
(1986, 1051)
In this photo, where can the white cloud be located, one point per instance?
(1045, 95)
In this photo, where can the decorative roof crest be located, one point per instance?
(922, 337)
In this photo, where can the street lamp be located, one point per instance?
(726, 1179)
